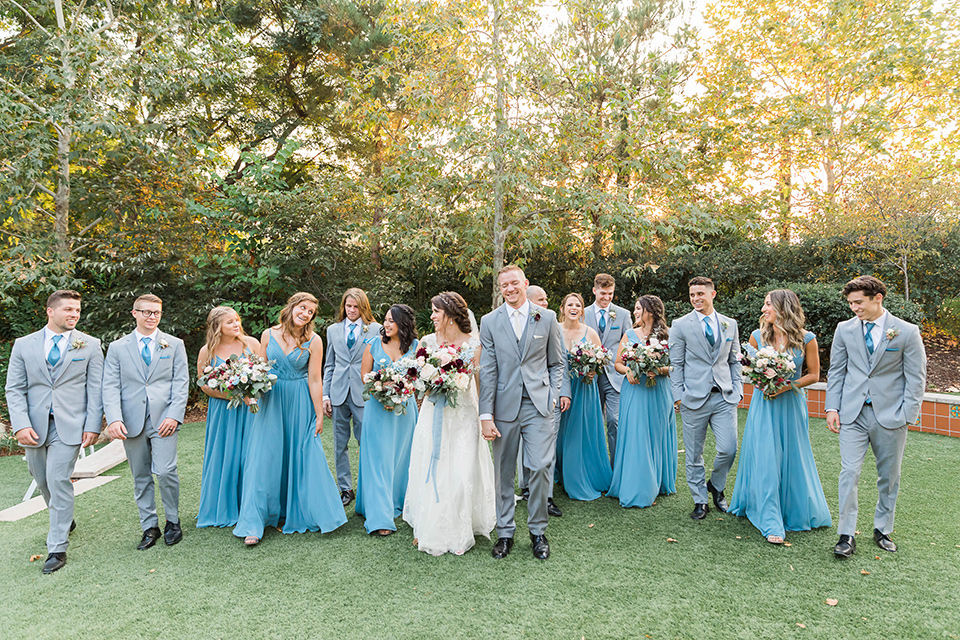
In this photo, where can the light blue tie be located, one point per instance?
(145, 352)
(352, 339)
(708, 332)
(868, 336)
(54, 356)
(603, 320)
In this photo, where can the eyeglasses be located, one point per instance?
(147, 313)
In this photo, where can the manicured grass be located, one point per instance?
(613, 573)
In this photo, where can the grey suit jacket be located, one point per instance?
(133, 396)
(610, 338)
(696, 365)
(507, 366)
(72, 393)
(341, 369)
(894, 378)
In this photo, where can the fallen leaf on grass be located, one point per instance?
(787, 544)
(791, 567)
(864, 572)
(738, 537)
(721, 519)
(590, 526)
(831, 601)
(35, 558)
(801, 625)
(152, 570)
(670, 540)
(857, 532)
(876, 557)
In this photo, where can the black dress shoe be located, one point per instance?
(55, 561)
(718, 500)
(73, 525)
(150, 537)
(347, 496)
(172, 533)
(553, 509)
(699, 511)
(502, 548)
(883, 541)
(541, 548)
(525, 493)
(845, 547)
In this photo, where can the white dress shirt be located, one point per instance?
(714, 321)
(63, 345)
(152, 344)
(877, 332)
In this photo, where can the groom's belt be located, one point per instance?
(716, 389)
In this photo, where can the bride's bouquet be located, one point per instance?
(645, 358)
(247, 376)
(392, 385)
(445, 370)
(586, 358)
(767, 369)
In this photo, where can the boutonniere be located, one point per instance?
(613, 314)
(77, 344)
(366, 328)
(725, 325)
(536, 315)
(163, 344)
(892, 333)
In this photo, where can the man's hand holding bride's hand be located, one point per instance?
(489, 430)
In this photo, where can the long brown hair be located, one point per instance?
(790, 319)
(214, 324)
(455, 307)
(654, 306)
(300, 334)
(563, 303)
(360, 297)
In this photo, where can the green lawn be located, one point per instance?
(613, 573)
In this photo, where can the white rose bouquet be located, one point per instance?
(445, 370)
(392, 384)
(586, 358)
(247, 376)
(645, 358)
(768, 370)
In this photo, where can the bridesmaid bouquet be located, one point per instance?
(245, 377)
(392, 385)
(767, 369)
(586, 358)
(645, 358)
(445, 370)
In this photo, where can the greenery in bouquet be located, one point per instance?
(445, 370)
(586, 359)
(392, 384)
(646, 358)
(767, 369)
(247, 376)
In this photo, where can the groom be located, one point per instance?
(707, 386)
(521, 379)
(53, 392)
(878, 372)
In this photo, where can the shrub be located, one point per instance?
(948, 317)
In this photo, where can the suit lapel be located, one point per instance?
(882, 345)
(528, 332)
(698, 332)
(507, 326)
(721, 339)
(135, 354)
(64, 361)
(156, 356)
(39, 356)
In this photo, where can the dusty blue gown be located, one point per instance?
(286, 477)
(777, 485)
(645, 461)
(225, 444)
(583, 465)
(385, 444)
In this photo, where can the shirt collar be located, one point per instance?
(879, 322)
(152, 336)
(523, 310)
(700, 316)
(49, 333)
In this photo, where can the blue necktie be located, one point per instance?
(54, 356)
(603, 320)
(868, 336)
(351, 339)
(145, 352)
(708, 332)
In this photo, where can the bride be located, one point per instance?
(450, 493)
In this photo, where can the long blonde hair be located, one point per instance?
(214, 328)
(790, 319)
(563, 303)
(301, 334)
(360, 297)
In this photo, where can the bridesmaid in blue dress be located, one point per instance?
(645, 461)
(777, 485)
(286, 479)
(583, 465)
(227, 429)
(386, 438)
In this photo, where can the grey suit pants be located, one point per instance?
(721, 416)
(525, 471)
(538, 436)
(341, 438)
(888, 446)
(610, 401)
(150, 454)
(51, 466)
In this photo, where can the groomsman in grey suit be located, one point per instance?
(878, 373)
(53, 394)
(611, 323)
(538, 296)
(707, 386)
(521, 381)
(145, 384)
(342, 383)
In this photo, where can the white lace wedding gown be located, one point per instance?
(448, 510)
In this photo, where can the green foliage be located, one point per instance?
(5, 349)
(948, 317)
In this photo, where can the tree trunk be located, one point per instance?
(376, 223)
(906, 279)
(499, 233)
(62, 200)
(786, 190)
